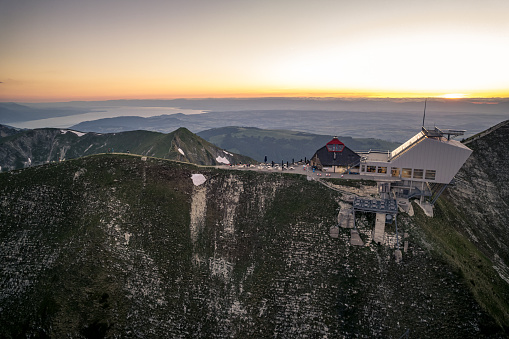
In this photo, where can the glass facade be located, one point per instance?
(418, 173)
(406, 173)
(430, 174)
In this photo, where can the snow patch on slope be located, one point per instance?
(65, 131)
(198, 179)
(222, 160)
(181, 151)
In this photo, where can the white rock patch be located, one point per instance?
(222, 160)
(198, 179)
(233, 188)
(221, 268)
(181, 151)
(198, 211)
(80, 134)
(127, 236)
(88, 148)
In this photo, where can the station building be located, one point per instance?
(335, 157)
(421, 167)
(426, 162)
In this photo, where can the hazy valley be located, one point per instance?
(394, 120)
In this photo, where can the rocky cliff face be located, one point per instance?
(482, 195)
(25, 148)
(114, 246)
(471, 226)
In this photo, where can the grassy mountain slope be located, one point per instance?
(110, 245)
(39, 146)
(283, 145)
(470, 227)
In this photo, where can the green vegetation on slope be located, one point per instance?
(283, 145)
(39, 146)
(469, 228)
(476, 269)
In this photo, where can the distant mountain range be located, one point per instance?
(12, 112)
(438, 105)
(395, 120)
(391, 126)
(283, 145)
(24, 148)
(30, 147)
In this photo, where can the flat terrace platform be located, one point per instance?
(387, 206)
(309, 172)
(375, 156)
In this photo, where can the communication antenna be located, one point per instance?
(424, 116)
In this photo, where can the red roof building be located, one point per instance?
(335, 156)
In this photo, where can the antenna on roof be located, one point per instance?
(424, 116)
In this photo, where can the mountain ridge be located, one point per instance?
(39, 146)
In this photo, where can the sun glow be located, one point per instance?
(453, 96)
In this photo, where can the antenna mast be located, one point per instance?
(424, 116)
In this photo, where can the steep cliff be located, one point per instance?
(114, 246)
(471, 224)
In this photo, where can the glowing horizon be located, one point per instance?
(96, 50)
(267, 94)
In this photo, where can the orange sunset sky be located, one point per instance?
(61, 50)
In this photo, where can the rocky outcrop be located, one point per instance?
(481, 194)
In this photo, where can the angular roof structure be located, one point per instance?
(335, 153)
(429, 151)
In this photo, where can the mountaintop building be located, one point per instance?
(335, 157)
(422, 166)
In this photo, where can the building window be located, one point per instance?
(430, 174)
(418, 173)
(363, 168)
(371, 169)
(382, 170)
(335, 148)
(406, 173)
(395, 172)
